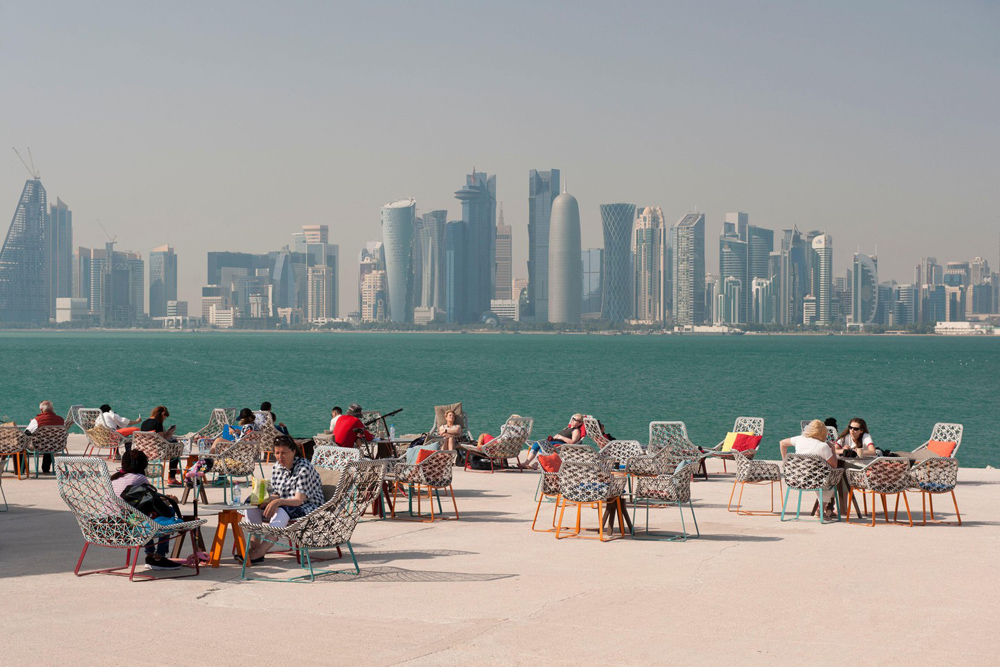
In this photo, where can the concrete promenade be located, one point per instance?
(486, 590)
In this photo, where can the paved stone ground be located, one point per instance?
(486, 590)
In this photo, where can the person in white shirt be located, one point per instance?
(335, 414)
(857, 438)
(112, 420)
(812, 441)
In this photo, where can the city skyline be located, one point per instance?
(878, 136)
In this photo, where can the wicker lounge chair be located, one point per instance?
(461, 418)
(809, 472)
(14, 444)
(47, 440)
(513, 436)
(754, 425)
(664, 490)
(101, 437)
(375, 424)
(749, 471)
(578, 454)
(217, 421)
(932, 477)
(668, 447)
(548, 490)
(433, 474)
(158, 451)
(620, 452)
(587, 483)
(944, 432)
(83, 417)
(593, 430)
(108, 521)
(237, 460)
(886, 475)
(329, 526)
(334, 457)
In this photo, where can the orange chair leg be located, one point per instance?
(959, 516)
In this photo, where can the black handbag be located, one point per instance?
(146, 499)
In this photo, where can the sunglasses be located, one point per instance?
(856, 428)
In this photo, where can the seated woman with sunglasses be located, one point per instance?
(856, 438)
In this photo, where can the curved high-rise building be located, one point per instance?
(823, 247)
(24, 277)
(617, 221)
(565, 265)
(398, 220)
(864, 299)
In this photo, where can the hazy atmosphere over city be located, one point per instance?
(229, 125)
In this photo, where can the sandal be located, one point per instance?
(253, 561)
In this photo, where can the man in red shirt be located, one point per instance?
(46, 417)
(349, 427)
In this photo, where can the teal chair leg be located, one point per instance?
(683, 535)
(788, 490)
(798, 509)
(695, 519)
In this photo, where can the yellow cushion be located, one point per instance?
(727, 444)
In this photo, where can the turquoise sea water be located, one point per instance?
(900, 385)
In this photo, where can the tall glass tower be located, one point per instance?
(864, 299)
(617, 221)
(822, 245)
(543, 188)
(432, 289)
(565, 270)
(688, 247)
(59, 237)
(733, 264)
(504, 274)
(479, 213)
(397, 239)
(24, 275)
(162, 280)
(649, 251)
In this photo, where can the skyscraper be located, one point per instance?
(760, 245)
(565, 270)
(24, 275)
(504, 274)
(763, 301)
(822, 245)
(593, 266)
(543, 187)
(617, 221)
(397, 238)
(864, 298)
(687, 240)
(432, 288)
(649, 250)
(59, 239)
(162, 280)
(479, 213)
(794, 278)
(733, 264)
(454, 271)
(371, 258)
(320, 304)
(112, 281)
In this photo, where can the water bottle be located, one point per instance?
(237, 498)
(392, 432)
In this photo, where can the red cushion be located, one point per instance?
(942, 448)
(550, 462)
(128, 430)
(424, 453)
(486, 438)
(746, 442)
(583, 430)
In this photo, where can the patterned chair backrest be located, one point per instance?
(12, 440)
(266, 434)
(102, 437)
(668, 435)
(743, 466)
(373, 421)
(48, 439)
(886, 474)
(334, 521)
(155, 447)
(593, 428)
(673, 488)
(935, 475)
(946, 432)
(754, 425)
(578, 454)
(584, 482)
(85, 418)
(104, 518)
(435, 470)
(461, 418)
(216, 422)
(807, 472)
(620, 451)
(241, 457)
(333, 457)
(513, 435)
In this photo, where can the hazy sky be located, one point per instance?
(227, 125)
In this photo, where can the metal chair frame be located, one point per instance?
(809, 472)
(665, 491)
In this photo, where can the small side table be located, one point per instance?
(229, 517)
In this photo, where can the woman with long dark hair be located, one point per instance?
(856, 438)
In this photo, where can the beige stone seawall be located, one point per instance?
(486, 590)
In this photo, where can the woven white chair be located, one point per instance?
(14, 444)
(587, 483)
(101, 437)
(945, 432)
(665, 490)
(513, 436)
(329, 526)
(886, 475)
(753, 472)
(754, 425)
(433, 474)
(236, 460)
(334, 457)
(668, 447)
(49, 440)
(83, 417)
(108, 521)
(809, 472)
(158, 451)
(933, 477)
(592, 427)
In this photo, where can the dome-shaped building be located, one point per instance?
(565, 265)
